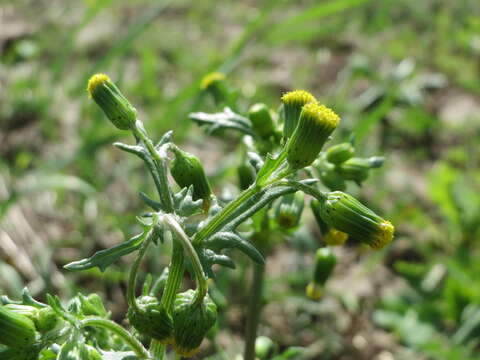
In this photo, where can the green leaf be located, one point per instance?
(223, 120)
(119, 355)
(185, 205)
(228, 240)
(104, 258)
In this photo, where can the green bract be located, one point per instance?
(187, 170)
(16, 330)
(191, 322)
(345, 213)
(355, 169)
(115, 106)
(151, 319)
(315, 126)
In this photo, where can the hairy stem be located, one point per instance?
(136, 346)
(253, 311)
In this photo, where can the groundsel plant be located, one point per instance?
(283, 165)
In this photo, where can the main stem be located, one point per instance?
(254, 310)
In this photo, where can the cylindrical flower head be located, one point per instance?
(315, 126)
(325, 262)
(111, 101)
(214, 83)
(191, 322)
(293, 103)
(16, 330)
(262, 121)
(335, 237)
(289, 210)
(345, 213)
(356, 169)
(187, 170)
(337, 154)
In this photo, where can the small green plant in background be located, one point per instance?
(283, 165)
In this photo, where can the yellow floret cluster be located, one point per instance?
(95, 81)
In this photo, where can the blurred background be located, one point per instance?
(404, 76)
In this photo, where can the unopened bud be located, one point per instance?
(345, 213)
(335, 237)
(356, 169)
(16, 330)
(325, 262)
(293, 103)
(214, 83)
(289, 210)
(262, 121)
(315, 126)
(339, 153)
(115, 106)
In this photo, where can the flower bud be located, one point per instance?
(92, 305)
(44, 318)
(115, 106)
(246, 175)
(332, 179)
(16, 330)
(315, 126)
(335, 237)
(151, 319)
(191, 322)
(262, 121)
(289, 210)
(187, 170)
(214, 83)
(345, 213)
(339, 153)
(264, 347)
(355, 169)
(293, 103)
(325, 261)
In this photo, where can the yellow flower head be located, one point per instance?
(335, 237)
(383, 236)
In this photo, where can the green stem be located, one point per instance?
(164, 190)
(253, 311)
(218, 219)
(132, 279)
(136, 346)
(202, 286)
(174, 280)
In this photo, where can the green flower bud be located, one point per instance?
(315, 126)
(333, 180)
(325, 262)
(111, 101)
(16, 330)
(246, 175)
(345, 213)
(335, 237)
(187, 170)
(214, 83)
(44, 319)
(92, 305)
(339, 153)
(293, 103)
(191, 322)
(355, 169)
(151, 319)
(262, 121)
(289, 210)
(264, 347)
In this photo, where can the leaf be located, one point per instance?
(208, 258)
(227, 240)
(223, 120)
(185, 205)
(104, 258)
(290, 353)
(155, 205)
